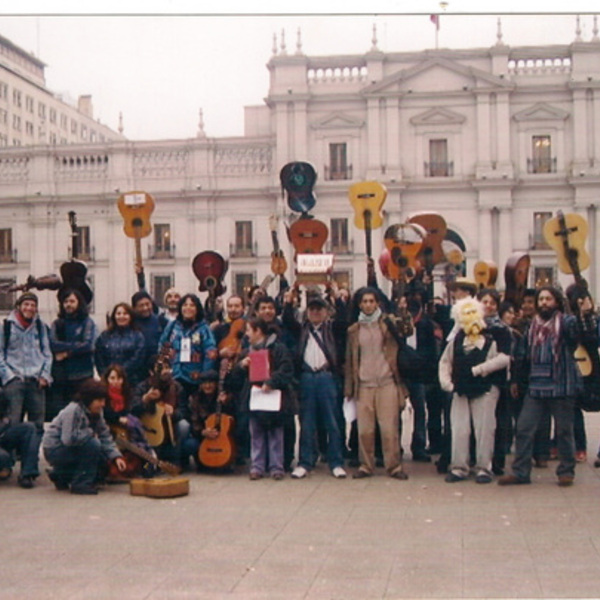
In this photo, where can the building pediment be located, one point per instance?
(438, 116)
(436, 74)
(338, 120)
(541, 112)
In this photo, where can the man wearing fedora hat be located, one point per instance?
(25, 361)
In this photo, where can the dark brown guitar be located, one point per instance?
(74, 272)
(516, 273)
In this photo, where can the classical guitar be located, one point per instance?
(567, 234)
(136, 208)
(124, 443)
(367, 198)
(278, 263)
(404, 242)
(516, 273)
(308, 235)
(432, 252)
(485, 273)
(220, 452)
(298, 179)
(74, 272)
(158, 425)
(210, 267)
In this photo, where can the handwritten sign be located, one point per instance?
(314, 263)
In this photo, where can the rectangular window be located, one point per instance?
(3, 90)
(541, 155)
(3, 116)
(438, 165)
(16, 122)
(539, 220)
(342, 278)
(52, 115)
(64, 122)
(339, 236)
(6, 246)
(3, 139)
(29, 104)
(83, 247)
(243, 238)
(41, 111)
(543, 276)
(7, 301)
(338, 163)
(162, 241)
(28, 127)
(159, 285)
(73, 126)
(17, 98)
(84, 132)
(243, 283)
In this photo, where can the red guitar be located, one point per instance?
(308, 235)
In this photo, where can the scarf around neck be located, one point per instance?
(363, 318)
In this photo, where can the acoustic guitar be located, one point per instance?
(367, 198)
(136, 209)
(210, 267)
(432, 252)
(278, 263)
(567, 234)
(404, 242)
(74, 272)
(220, 452)
(308, 235)
(485, 273)
(516, 274)
(46, 282)
(298, 179)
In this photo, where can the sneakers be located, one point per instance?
(338, 472)
(581, 456)
(299, 473)
(26, 481)
(511, 479)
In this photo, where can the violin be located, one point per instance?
(298, 179)
(136, 208)
(367, 198)
(74, 272)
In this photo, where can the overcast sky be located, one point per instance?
(160, 69)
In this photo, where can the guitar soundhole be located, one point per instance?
(137, 222)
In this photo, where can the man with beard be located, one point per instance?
(553, 384)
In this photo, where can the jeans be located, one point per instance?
(26, 397)
(534, 409)
(25, 439)
(77, 465)
(265, 445)
(319, 401)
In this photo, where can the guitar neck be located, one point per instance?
(125, 444)
(570, 253)
(275, 240)
(367, 217)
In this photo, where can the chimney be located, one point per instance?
(84, 105)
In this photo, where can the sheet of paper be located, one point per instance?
(269, 401)
(185, 354)
(349, 410)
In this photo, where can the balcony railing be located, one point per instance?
(85, 254)
(8, 257)
(541, 165)
(160, 252)
(337, 174)
(439, 169)
(347, 248)
(243, 251)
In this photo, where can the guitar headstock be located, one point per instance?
(273, 222)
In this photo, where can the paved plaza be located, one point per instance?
(317, 538)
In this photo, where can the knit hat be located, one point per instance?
(26, 296)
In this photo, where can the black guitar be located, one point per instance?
(74, 272)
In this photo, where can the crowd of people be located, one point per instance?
(486, 377)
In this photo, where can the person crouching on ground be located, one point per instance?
(465, 368)
(78, 442)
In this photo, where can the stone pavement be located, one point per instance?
(317, 538)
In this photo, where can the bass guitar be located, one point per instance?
(567, 234)
(74, 272)
(367, 198)
(516, 273)
(136, 208)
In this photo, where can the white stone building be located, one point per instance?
(495, 139)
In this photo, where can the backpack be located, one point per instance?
(8, 326)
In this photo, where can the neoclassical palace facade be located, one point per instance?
(494, 139)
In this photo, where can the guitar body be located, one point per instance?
(160, 488)
(158, 427)
(566, 235)
(74, 272)
(220, 452)
(516, 274)
(367, 196)
(485, 273)
(435, 227)
(298, 179)
(136, 208)
(308, 235)
(209, 268)
(278, 263)
(403, 242)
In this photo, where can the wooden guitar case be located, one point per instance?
(160, 488)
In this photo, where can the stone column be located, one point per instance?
(579, 131)
(483, 134)
(374, 138)
(393, 138)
